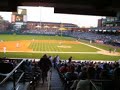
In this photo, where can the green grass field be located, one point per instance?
(53, 49)
(48, 46)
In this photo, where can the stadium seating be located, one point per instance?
(101, 82)
(18, 74)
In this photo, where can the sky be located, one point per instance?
(46, 14)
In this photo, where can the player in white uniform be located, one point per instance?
(17, 45)
(4, 50)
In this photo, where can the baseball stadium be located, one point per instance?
(37, 55)
(31, 39)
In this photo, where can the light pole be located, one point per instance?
(61, 28)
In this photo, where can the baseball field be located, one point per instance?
(34, 46)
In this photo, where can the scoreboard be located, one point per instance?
(19, 16)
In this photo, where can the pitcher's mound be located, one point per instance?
(63, 46)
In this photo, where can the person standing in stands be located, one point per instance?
(70, 59)
(45, 65)
(56, 61)
(50, 58)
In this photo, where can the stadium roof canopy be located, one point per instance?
(84, 7)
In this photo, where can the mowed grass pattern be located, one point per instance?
(55, 47)
(40, 46)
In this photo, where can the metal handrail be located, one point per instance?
(49, 79)
(101, 80)
(19, 78)
(93, 84)
(9, 74)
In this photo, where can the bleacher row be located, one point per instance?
(24, 74)
(18, 74)
(49, 32)
(89, 75)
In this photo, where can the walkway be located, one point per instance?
(56, 83)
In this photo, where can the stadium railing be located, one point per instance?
(103, 84)
(18, 75)
(49, 79)
(7, 75)
(93, 86)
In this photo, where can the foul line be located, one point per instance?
(93, 46)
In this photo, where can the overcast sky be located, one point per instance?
(46, 14)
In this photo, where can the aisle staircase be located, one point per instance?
(56, 83)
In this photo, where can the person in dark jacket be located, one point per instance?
(70, 59)
(45, 65)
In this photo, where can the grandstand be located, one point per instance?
(47, 27)
(108, 25)
(108, 30)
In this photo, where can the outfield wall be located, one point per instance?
(18, 33)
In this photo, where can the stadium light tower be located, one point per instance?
(61, 28)
(40, 24)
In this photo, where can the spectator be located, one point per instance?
(71, 75)
(85, 84)
(54, 62)
(78, 69)
(116, 76)
(83, 73)
(50, 58)
(82, 76)
(63, 69)
(57, 59)
(70, 59)
(45, 65)
(104, 74)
